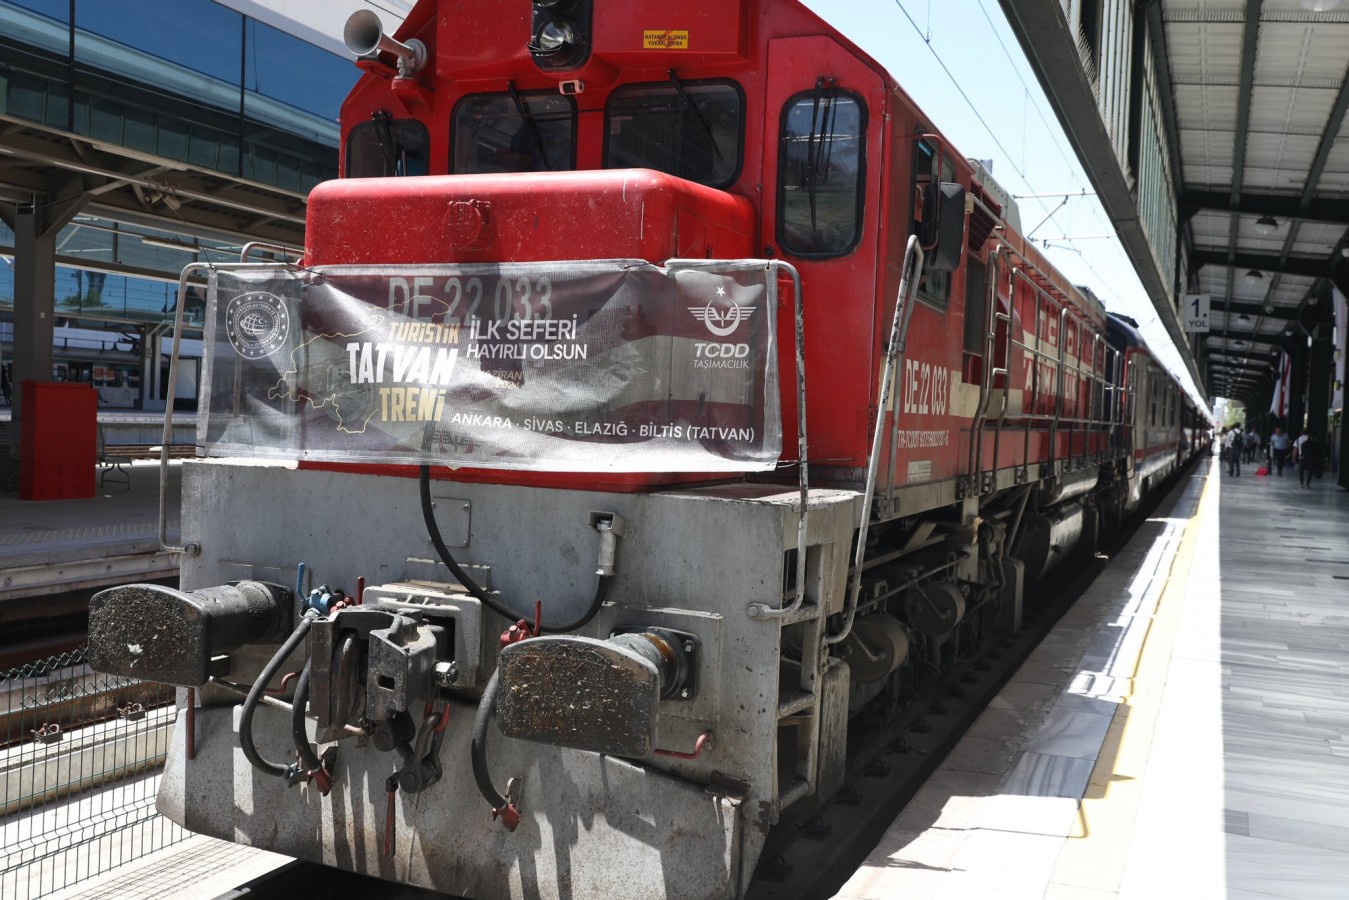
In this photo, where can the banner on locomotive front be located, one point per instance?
(616, 365)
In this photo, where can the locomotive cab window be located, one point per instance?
(386, 147)
(692, 130)
(821, 152)
(513, 132)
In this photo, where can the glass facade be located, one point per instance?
(187, 80)
(94, 293)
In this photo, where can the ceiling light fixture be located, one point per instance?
(171, 244)
(1319, 6)
(1254, 276)
(1266, 225)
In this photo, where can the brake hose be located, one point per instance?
(492, 603)
(478, 751)
(255, 695)
(308, 758)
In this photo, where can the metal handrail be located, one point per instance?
(274, 248)
(1009, 318)
(894, 357)
(989, 369)
(211, 270)
(188, 549)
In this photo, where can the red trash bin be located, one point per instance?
(58, 440)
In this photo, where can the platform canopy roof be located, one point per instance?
(1248, 99)
(1261, 91)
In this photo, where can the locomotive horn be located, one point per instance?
(364, 35)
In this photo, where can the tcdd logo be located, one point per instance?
(257, 324)
(721, 322)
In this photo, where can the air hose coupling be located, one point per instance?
(610, 526)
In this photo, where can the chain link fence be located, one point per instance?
(80, 761)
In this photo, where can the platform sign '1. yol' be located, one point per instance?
(1194, 311)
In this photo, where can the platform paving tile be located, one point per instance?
(116, 520)
(1244, 791)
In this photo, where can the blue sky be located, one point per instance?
(994, 109)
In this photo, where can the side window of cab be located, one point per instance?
(821, 173)
(935, 286)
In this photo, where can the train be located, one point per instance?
(660, 398)
(112, 365)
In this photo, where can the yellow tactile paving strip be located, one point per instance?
(1092, 861)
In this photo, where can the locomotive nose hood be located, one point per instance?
(611, 214)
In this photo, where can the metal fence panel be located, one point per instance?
(80, 761)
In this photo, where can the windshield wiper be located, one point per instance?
(530, 122)
(388, 147)
(697, 114)
(819, 150)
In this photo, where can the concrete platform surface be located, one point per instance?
(1184, 731)
(49, 546)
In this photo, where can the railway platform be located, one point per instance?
(1183, 732)
(57, 546)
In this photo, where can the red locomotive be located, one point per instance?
(698, 285)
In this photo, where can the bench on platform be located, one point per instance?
(111, 458)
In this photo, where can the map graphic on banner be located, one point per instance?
(595, 366)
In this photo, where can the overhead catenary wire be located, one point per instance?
(1049, 129)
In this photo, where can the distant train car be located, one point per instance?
(99, 359)
(659, 392)
(1165, 424)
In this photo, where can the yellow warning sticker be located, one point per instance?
(665, 40)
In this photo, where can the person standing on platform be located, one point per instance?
(1232, 447)
(1279, 445)
(1307, 456)
(1252, 444)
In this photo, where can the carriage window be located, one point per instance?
(385, 147)
(513, 132)
(693, 130)
(820, 171)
